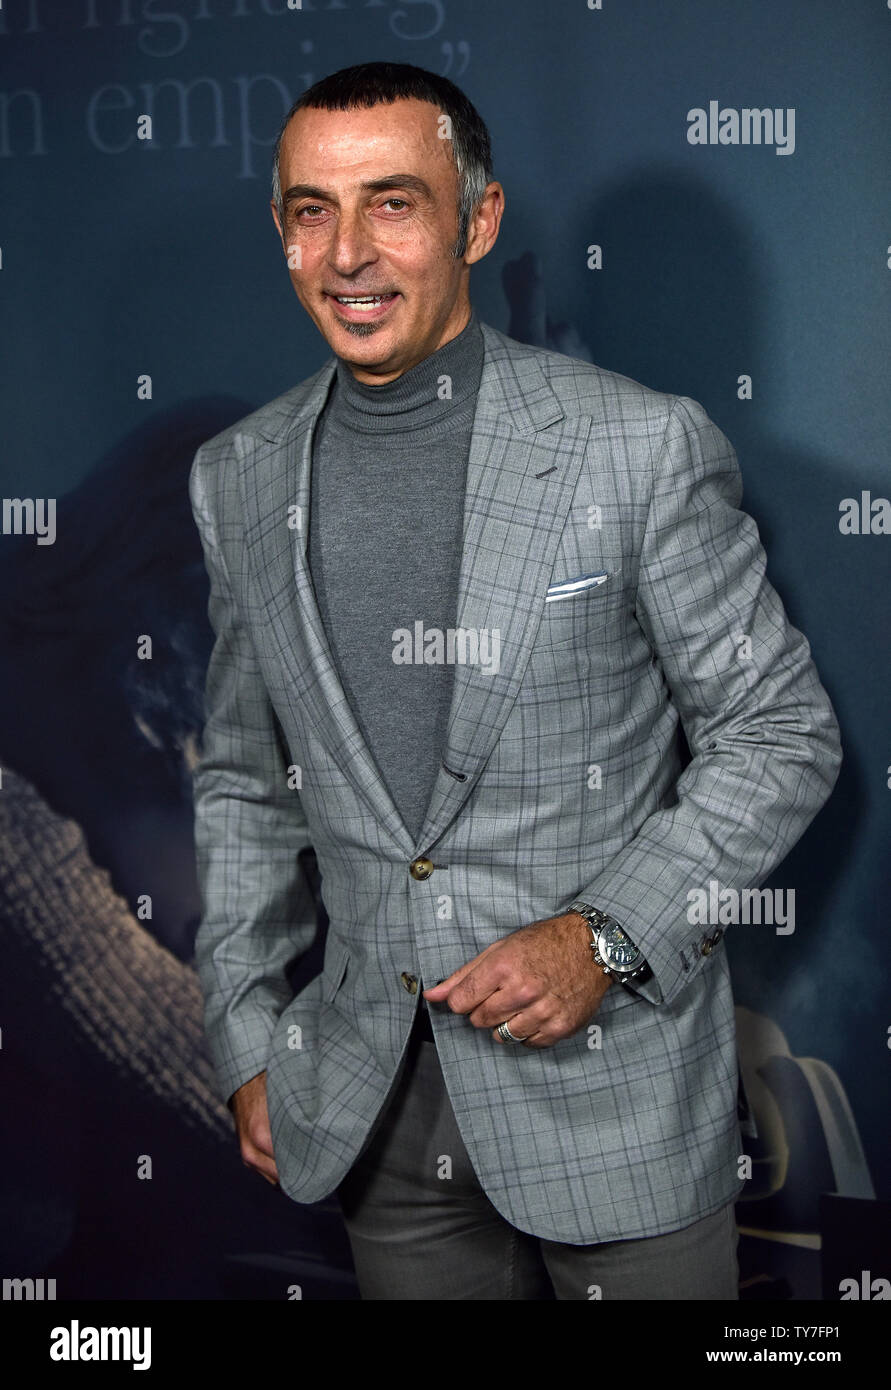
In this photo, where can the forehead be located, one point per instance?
(369, 141)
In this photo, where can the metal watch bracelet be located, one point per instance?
(596, 920)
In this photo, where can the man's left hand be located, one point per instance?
(541, 980)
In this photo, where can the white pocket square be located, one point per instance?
(568, 587)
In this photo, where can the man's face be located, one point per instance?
(371, 209)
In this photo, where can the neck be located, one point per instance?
(426, 393)
(457, 322)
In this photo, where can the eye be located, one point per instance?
(397, 200)
(313, 209)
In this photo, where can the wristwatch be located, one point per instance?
(614, 951)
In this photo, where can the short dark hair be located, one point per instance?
(368, 84)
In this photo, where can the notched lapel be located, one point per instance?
(274, 478)
(525, 458)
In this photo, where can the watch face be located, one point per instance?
(617, 949)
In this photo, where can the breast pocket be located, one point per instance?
(577, 608)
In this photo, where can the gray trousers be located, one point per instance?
(418, 1235)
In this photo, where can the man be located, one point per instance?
(466, 593)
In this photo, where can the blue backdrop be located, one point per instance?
(752, 277)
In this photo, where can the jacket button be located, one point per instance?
(409, 982)
(421, 868)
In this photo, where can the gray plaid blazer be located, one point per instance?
(561, 776)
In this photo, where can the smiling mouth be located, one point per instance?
(363, 303)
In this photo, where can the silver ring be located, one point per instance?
(506, 1035)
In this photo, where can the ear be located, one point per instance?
(276, 220)
(485, 222)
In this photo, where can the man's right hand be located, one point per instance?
(248, 1105)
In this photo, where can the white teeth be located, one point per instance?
(365, 301)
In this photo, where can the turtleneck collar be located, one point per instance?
(413, 399)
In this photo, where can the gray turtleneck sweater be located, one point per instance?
(385, 540)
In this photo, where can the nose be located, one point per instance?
(352, 245)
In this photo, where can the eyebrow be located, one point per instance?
(410, 182)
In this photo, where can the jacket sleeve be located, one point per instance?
(762, 733)
(258, 911)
